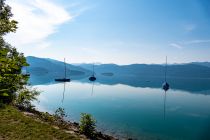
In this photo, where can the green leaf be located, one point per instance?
(5, 94)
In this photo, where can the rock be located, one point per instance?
(28, 114)
(56, 127)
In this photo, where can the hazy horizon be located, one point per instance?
(106, 31)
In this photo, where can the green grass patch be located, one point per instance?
(14, 125)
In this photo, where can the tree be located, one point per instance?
(24, 98)
(6, 23)
(11, 61)
(87, 125)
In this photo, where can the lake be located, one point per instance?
(143, 111)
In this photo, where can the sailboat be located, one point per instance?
(63, 79)
(165, 85)
(92, 78)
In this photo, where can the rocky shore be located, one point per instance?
(59, 123)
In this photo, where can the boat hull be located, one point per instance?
(62, 80)
(92, 78)
(26, 74)
(165, 86)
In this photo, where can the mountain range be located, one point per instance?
(190, 76)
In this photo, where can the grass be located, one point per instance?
(14, 125)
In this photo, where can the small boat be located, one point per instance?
(165, 85)
(92, 78)
(63, 79)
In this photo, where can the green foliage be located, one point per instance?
(45, 116)
(2, 105)
(25, 96)
(11, 79)
(60, 113)
(6, 24)
(87, 125)
(59, 117)
(56, 119)
(11, 61)
(16, 126)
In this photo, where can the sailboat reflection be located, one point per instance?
(93, 83)
(164, 106)
(64, 89)
(165, 87)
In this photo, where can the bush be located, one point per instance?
(87, 125)
(47, 117)
(25, 96)
(60, 113)
(2, 105)
(59, 117)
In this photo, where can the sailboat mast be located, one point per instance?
(165, 68)
(93, 69)
(65, 67)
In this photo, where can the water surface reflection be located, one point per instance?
(127, 111)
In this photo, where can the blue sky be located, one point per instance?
(113, 31)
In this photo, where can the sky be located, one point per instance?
(113, 31)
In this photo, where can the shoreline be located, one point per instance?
(66, 125)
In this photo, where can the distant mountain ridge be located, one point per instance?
(45, 70)
(191, 76)
(41, 66)
(207, 64)
(190, 70)
(53, 66)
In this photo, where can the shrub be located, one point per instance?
(60, 113)
(2, 105)
(47, 117)
(59, 117)
(25, 96)
(87, 125)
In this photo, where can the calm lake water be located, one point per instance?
(124, 111)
